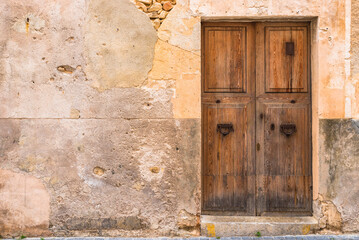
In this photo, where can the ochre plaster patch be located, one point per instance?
(119, 44)
(186, 102)
(332, 103)
(174, 63)
(354, 58)
(171, 62)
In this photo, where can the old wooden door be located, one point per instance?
(256, 119)
(228, 107)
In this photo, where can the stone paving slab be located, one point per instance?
(228, 226)
(299, 237)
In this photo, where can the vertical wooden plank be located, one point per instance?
(261, 180)
(278, 63)
(300, 59)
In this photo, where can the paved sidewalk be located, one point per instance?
(300, 237)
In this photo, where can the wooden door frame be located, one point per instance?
(314, 80)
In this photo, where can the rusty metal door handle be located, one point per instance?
(288, 129)
(225, 128)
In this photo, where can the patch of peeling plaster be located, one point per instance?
(119, 44)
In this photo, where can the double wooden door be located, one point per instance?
(256, 119)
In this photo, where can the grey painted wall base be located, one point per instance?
(339, 169)
(229, 226)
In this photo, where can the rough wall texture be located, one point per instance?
(340, 171)
(132, 181)
(100, 114)
(118, 48)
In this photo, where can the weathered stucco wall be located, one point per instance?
(340, 167)
(100, 113)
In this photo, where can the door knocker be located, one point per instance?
(288, 129)
(225, 128)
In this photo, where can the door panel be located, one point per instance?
(225, 59)
(286, 59)
(227, 175)
(284, 169)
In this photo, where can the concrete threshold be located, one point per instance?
(231, 226)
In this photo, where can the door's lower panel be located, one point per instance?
(228, 171)
(284, 162)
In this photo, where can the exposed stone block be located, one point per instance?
(235, 226)
(156, 10)
(187, 220)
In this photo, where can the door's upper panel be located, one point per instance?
(286, 59)
(225, 59)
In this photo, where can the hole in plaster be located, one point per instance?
(155, 169)
(65, 69)
(98, 171)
